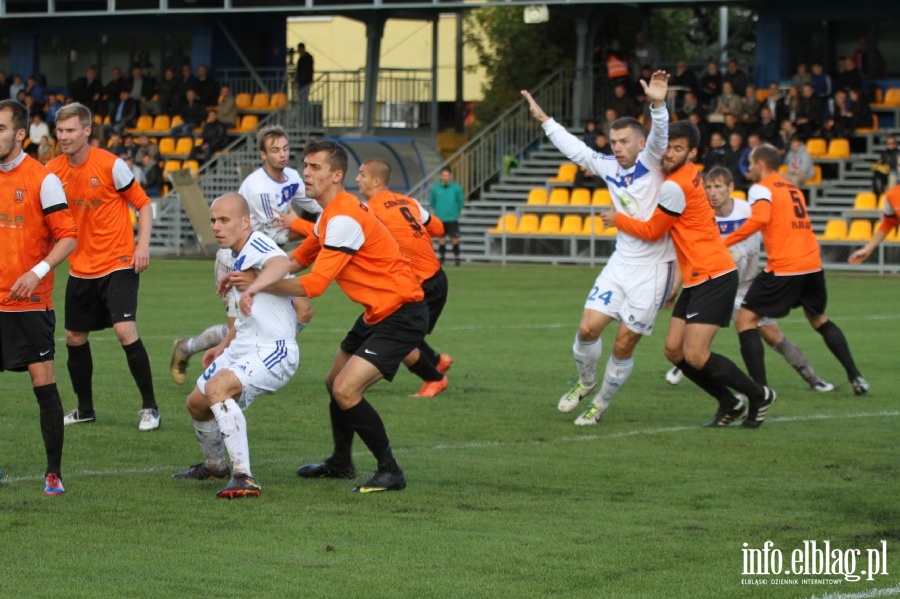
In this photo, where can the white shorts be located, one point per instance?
(223, 267)
(266, 370)
(632, 294)
(742, 291)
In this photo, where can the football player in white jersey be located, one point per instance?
(259, 355)
(640, 275)
(730, 215)
(270, 191)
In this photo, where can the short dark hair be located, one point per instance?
(337, 155)
(19, 114)
(719, 172)
(685, 130)
(627, 122)
(267, 133)
(768, 155)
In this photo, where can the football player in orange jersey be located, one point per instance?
(793, 275)
(889, 222)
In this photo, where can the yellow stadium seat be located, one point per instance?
(609, 232)
(580, 197)
(559, 197)
(249, 122)
(835, 230)
(260, 101)
(817, 176)
(183, 146)
(167, 145)
(816, 147)
(572, 224)
(873, 128)
(537, 195)
(893, 236)
(243, 101)
(593, 225)
(860, 230)
(161, 123)
(838, 148)
(566, 173)
(277, 100)
(193, 166)
(144, 123)
(601, 197)
(739, 194)
(505, 223)
(881, 201)
(891, 98)
(169, 166)
(529, 223)
(549, 224)
(176, 120)
(865, 200)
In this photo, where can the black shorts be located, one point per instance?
(710, 302)
(451, 228)
(775, 296)
(97, 304)
(435, 290)
(386, 343)
(26, 338)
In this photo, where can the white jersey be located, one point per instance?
(634, 191)
(269, 198)
(272, 319)
(745, 253)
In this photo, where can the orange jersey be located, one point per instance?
(33, 217)
(891, 210)
(779, 211)
(412, 226)
(350, 246)
(684, 211)
(99, 192)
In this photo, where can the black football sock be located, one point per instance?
(342, 433)
(51, 424)
(456, 252)
(752, 352)
(81, 370)
(368, 425)
(424, 369)
(719, 391)
(426, 349)
(442, 249)
(723, 370)
(139, 365)
(837, 343)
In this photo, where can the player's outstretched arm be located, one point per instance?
(535, 109)
(657, 89)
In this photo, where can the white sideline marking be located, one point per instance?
(476, 445)
(888, 592)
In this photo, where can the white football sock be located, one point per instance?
(210, 442)
(587, 354)
(615, 376)
(211, 337)
(233, 425)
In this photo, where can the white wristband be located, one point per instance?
(41, 269)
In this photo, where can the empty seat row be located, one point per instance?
(551, 224)
(818, 147)
(859, 230)
(260, 101)
(866, 200)
(561, 196)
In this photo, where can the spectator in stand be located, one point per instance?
(590, 133)
(192, 112)
(849, 76)
(153, 175)
(728, 102)
(35, 89)
(16, 86)
(304, 78)
(143, 146)
(622, 103)
(860, 108)
(733, 125)
(226, 108)
(684, 77)
(207, 88)
(88, 90)
(214, 138)
(810, 111)
(111, 95)
(185, 82)
(733, 154)
(710, 85)
(136, 171)
(773, 99)
(786, 132)
(750, 106)
(821, 80)
(884, 170)
(616, 66)
(601, 142)
(610, 117)
(37, 129)
(114, 144)
(715, 154)
(703, 127)
(130, 146)
(166, 89)
(4, 86)
(45, 150)
(689, 105)
(802, 76)
(143, 63)
(767, 128)
(789, 105)
(142, 90)
(799, 163)
(753, 141)
(53, 107)
(644, 54)
(838, 117)
(735, 76)
(123, 116)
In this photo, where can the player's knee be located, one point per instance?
(197, 405)
(673, 353)
(696, 358)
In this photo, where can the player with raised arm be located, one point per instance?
(639, 276)
(258, 356)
